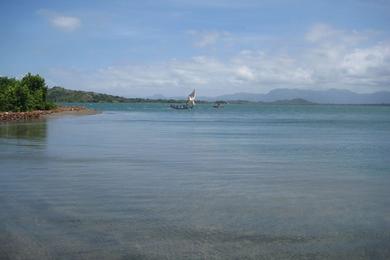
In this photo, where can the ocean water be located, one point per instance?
(142, 181)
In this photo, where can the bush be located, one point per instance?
(26, 94)
(50, 105)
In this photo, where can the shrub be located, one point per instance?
(26, 94)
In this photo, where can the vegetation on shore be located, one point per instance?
(61, 95)
(27, 94)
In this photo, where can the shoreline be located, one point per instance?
(39, 114)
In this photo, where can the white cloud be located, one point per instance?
(347, 59)
(245, 73)
(324, 34)
(62, 22)
(321, 33)
(207, 38)
(249, 71)
(226, 40)
(333, 58)
(68, 23)
(360, 61)
(370, 66)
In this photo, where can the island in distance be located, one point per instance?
(276, 96)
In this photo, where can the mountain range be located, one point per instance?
(288, 96)
(330, 96)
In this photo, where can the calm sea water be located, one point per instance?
(246, 181)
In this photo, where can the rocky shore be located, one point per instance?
(37, 114)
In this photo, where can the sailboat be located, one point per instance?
(190, 102)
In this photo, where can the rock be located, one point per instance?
(15, 116)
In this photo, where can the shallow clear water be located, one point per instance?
(246, 181)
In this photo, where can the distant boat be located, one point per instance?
(191, 98)
(219, 104)
(190, 102)
(177, 106)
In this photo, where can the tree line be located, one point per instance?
(27, 94)
(62, 95)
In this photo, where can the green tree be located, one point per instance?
(7, 93)
(27, 94)
(24, 100)
(38, 90)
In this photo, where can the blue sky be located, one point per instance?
(142, 48)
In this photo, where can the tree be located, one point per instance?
(26, 94)
(23, 101)
(38, 90)
(33, 82)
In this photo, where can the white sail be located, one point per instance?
(191, 98)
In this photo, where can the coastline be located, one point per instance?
(39, 114)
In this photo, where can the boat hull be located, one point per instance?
(181, 107)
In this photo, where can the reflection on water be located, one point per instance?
(36, 130)
(143, 181)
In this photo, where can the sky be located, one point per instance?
(151, 47)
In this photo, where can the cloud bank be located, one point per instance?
(331, 58)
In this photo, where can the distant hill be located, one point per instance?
(294, 101)
(331, 96)
(59, 94)
(276, 96)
